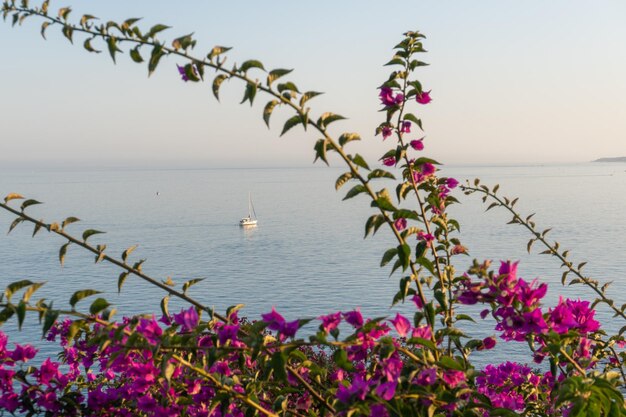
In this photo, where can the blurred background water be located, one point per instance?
(307, 256)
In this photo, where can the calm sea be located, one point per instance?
(307, 256)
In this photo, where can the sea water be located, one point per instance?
(307, 256)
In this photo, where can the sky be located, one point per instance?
(512, 83)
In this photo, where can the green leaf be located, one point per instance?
(44, 26)
(49, 319)
(68, 31)
(404, 255)
(68, 221)
(321, 146)
(14, 224)
(31, 290)
(90, 232)
(449, 363)
(288, 86)
(62, 252)
(217, 82)
(373, 224)
(278, 366)
(354, 191)
(191, 282)
(98, 305)
(121, 280)
(128, 252)
(358, 159)
(383, 200)
(184, 42)
(307, 96)
(252, 63)
(156, 29)
(348, 137)
(426, 263)
(155, 57)
(380, 173)
(13, 196)
(388, 256)
(16, 286)
(411, 117)
(79, 295)
(267, 111)
(327, 118)
(341, 359)
(28, 203)
(164, 303)
(21, 314)
(276, 74)
(135, 55)
(112, 45)
(217, 50)
(343, 178)
(250, 93)
(291, 122)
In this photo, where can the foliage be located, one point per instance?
(198, 362)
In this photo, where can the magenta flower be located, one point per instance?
(423, 332)
(453, 378)
(400, 224)
(378, 410)
(150, 330)
(426, 237)
(183, 74)
(402, 324)
(289, 329)
(187, 319)
(228, 332)
(330, 321)
(489, 343)
(406, 127)
(418, 301)
(427, 376)
(386, 96)
(423, 97)
(417, 144)
(354, 318)
(274, 319)
(387, 390)
(23, 353)
(387, 131)
(47, 372)
(390, 161)
(428, 169)
(452, 183)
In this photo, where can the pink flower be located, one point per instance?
(400, 224)
(406, 127)
(423, 97)
(290, 328)
(387, 390)
(453, 378)
(390, 161)
(47, 372)
(330, 321)
(426, 237)
(422, 332)
(402, 324)
(417, 144)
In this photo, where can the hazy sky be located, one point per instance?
(512, 82)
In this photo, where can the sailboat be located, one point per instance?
(249, 220)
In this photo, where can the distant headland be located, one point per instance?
(618, 159)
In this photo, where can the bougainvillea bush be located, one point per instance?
(200, 362)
